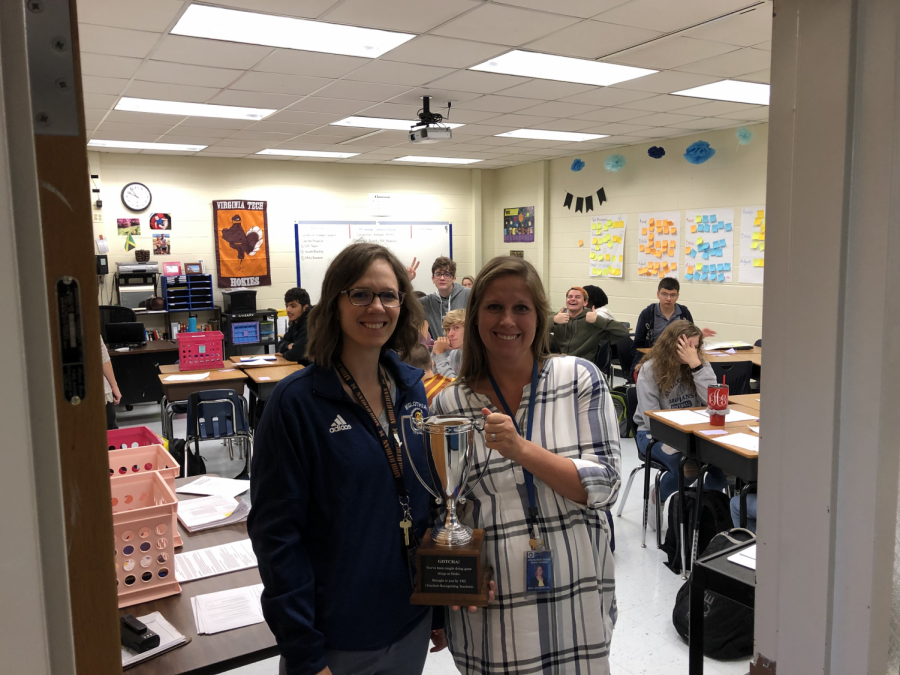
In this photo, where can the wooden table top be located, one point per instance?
(273, 374)
(691, 428)
(279, 361)
(216, 374)
(149, 348)
(206, 653)
(734, 428)
(747, 400)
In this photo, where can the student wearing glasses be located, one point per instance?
(326, 453)
(448, 296)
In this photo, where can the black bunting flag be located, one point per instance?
(579, 204)
(568, 202)
(584, 204)
(601, 195)
(588, 204)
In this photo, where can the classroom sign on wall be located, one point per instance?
(657, 244)
(709, 245)
(242, 243)
(753, 244)
(607, 245)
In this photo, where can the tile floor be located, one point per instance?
(645, 641)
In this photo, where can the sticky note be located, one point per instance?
(687, 250)
(688, 276)
(728, 227)
(704, 219)
(673, 230)
(762, 236)
(671, 252)
(703, 247)
(693, 228)
(755, 236)
(706, 255)
(641, 248)
(593, 256)
(693, 253)
(704, 276)
(651, 236)
(606, 256)
(760, 214)
(699, 240)
(665, 229)
(659, 253)
(727, 267)
(712, 218)
(721, 277)
(656, 265)
(674, 266)
(762, 246)
(690, 269)
(715, 227)
(754, 245)
(698, 219)
(651, 221)
(644, 231)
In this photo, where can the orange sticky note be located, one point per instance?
(659, 253)
(674, 266)
(669, 223)
(641, 248)
(687, 250)
(651, 221)
(665, 229)
(671, 252)
(581, 242)
(673, 230)
(651, 236)
(644, 231)
(693, 228)
(661, 274)
(671, 243)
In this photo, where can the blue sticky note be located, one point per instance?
(706, 228)
(706, 255)
(715, 227)
(720, 252)
(693, 253)
(720, 267)
(689, 277)
(712, 218)
(703, 247)
(705, 219)
(727, 267)
(728, 227)
(704, 276)
(721, 277)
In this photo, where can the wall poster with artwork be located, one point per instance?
(242, 243)
(518, 224)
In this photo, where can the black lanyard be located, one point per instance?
(529, 478)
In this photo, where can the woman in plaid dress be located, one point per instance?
(574, 458)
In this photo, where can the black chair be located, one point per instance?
(736, 374)
(758, 343)
(114, 314)
(625, 351)
(603, 360)
(647, 465)
(218, 414)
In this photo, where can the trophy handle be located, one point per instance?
(479, 426)
(418, 429)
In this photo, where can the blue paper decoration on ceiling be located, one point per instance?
(699, 152)
(744, 135)
(614, 163)
(656, 152)
(577, 165)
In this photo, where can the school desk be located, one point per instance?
(279, 360)
(177, 391)
(135, 371)
(262, 382)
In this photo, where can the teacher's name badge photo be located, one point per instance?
(538, 571)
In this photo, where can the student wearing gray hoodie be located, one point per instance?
(449, 295)
(674, 375)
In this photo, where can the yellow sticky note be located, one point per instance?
(760, 213)
(609, 244)
(606, 256)
(594, 240)
(762, 228)
(755, 236)
(754, 245)
(700, 267)
(763, 222)
(762, 246)
(698, 219)
(762, 236)
(757, 222)
(693, 228)
(699, 240)
(620, 224)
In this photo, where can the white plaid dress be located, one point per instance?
(569, 630)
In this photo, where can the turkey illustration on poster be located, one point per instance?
(242, 243)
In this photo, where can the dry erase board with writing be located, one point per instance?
(318, 242)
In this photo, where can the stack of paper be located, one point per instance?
(732, 416)
(213, 485)
(215, 560)
(169, 638)
(208, 512)
(744, 441)
(746, 557)
(258, 362)
(261, 357)
(227, 610)
(684, 417)
(186, 378)
(712, 346)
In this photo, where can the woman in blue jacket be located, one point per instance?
(332, 500)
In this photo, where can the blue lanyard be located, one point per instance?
(529, 478)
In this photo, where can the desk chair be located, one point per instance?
(603, 361)
(115, 314)
(218, 414)
(736, 374)
(625, 351)
(647, 465)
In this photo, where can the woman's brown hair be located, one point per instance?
(667, 367)
(474, 360)
(325, 336)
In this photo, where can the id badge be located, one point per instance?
(539, 570)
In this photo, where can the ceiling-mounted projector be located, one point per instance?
(429, 128)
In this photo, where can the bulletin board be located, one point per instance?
(709, 246)
(658, 244)
(607, 245)
(753, 244)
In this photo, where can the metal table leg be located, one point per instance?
(695, 541)
(682, 533)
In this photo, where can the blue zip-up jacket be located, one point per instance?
(325, 520)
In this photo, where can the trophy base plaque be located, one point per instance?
(452, 575)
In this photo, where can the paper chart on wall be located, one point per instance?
(657, 244)
(607, 245)
(709, 245)
(753, 244)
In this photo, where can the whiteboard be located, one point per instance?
(318, 242)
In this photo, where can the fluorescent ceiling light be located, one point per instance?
(135, 145)
(561, 68)
(437, 160)
(384, 123)
(544, 135)
(147, 105)
(232, 25)
(308, 153)
(731, 90)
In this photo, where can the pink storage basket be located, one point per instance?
(144, 459)
(144, 520)
(200, 351)
(133, 437)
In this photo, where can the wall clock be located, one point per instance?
(136, 196)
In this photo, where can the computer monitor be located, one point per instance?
(128, 334)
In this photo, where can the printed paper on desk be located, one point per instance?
(258, 362)
(194, 512)
(713, 432)
(734, 416)
(193, 377)
(215, 560)
(262, 357)
(756, 429)
(226, 610)
(683, 417)
(212, 485)
(264, 378)
(743, 441)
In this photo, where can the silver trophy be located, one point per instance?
(450, 448)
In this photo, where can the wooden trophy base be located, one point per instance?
(452, 575)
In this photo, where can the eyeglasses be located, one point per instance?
(363, 297)
(668, 296)
(443, 275)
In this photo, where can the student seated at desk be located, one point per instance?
(578, 331)
(293, 344)
(448, 349)
(674, 375)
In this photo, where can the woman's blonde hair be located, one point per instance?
(474, 362)
(457, 316)
(667, 367)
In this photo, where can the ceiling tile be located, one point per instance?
(658, 132)
(671, 52)
(102, 85)
(393, 72)
(99, 100)
(254, 99)
(215, 53)
(759, 76)
(126, 136)
(242, 143)
(592, 39)
(302, 117)
(301, 144)
(744, 29)
(667, 81)
(706, 123)
(616, 128)
(179, 73)
(469, 116)
(607, 96)
(433, 50)
(498, 104)
(115, 41)
(499, 24)
(439, 96)
(611, 115)
(740, 62)
(198, 138)
(410, 16)
(580, 8)
(714, 108)
(280, 127)
(153, 16)
(663, 103)
(340, 133)
(104, 65)
(279, 83)
(309, 9)
(216, 123)
(362, 91)
(208, 132)
(170, 92)
(311, 64)
(117, 127)
(481, 83)
(568, 125)
(558, 109)
(252, 135)
(333, 106)
(482, 130)
(94, 115)
(219, 153)
(494, 140)
(520, 121)
(127, 117)
(665, 16)
(664, 119)
(397, 111)
(760, 114)
(547, 90)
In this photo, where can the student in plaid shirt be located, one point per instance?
(574, 459)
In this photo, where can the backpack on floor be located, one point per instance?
(727, 625)
(715, 517)
(195, 464)
(618, 398)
